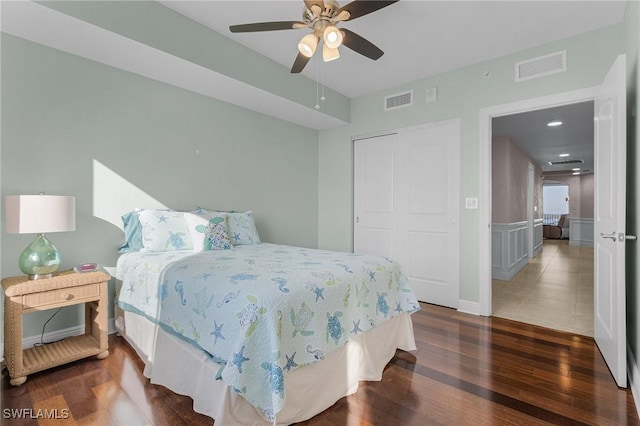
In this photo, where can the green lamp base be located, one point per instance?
(40, 259)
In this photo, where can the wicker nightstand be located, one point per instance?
(23, 296)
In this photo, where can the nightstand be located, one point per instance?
(68, 288)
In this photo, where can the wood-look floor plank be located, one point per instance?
(468, 370)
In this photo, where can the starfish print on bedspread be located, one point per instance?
(316, 290)
(356, 327)
(239, 359)
(217, 332)
(290, 362)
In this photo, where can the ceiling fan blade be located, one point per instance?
(266, 26)
(317, 3)
(360, 8)
(361, 45)
(299, 63)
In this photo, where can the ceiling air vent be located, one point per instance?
(565, 162)
(541, 66)
(398, 100)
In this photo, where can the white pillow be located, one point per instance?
(164, 230)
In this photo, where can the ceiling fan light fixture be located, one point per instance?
(308, 44)
(332, 37)
(329, 54)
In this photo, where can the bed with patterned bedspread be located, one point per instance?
(263, 310)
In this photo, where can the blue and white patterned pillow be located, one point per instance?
(242, 229)
(208, 230)
(241, 226)
(164, 230)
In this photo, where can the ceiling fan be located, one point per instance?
(321, 17)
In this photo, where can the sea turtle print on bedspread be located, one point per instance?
(263, 310)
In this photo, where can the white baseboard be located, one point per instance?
(52, 336)
(633, 373)
(111, 326)
(468, 307)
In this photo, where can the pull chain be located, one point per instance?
(317, 84)
(322, 98)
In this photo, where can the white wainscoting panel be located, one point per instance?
(581, 232)
(508, 249)
(537, 236)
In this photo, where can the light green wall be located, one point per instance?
(61, 112)
(461, 93)
(148, 21)
(632, 43)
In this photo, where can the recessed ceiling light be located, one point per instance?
(575, 173)
(554, 123)
(563, 155)
(575, 169)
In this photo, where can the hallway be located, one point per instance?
(554, 290)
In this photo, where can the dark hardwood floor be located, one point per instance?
(467, 370)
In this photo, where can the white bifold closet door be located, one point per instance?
(406, 205)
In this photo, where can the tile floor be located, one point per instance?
(554, 290)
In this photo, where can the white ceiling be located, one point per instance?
(419, 38)
(543, 143)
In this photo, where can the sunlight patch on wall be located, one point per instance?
(114, 196)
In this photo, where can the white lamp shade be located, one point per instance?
(39, 214)
(332, 37)
(329, 54)
(308, 44)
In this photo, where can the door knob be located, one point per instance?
(611, 235)
(623, 237)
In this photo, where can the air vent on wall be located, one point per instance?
(565, 162)
(398, 100)
(541, 66)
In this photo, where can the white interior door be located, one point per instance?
(610, 191)
(374, 230)
(406, 206)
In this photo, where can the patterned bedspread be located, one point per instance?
(263, 310)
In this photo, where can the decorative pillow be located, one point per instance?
(164, 230)
(132, 233)
(241, 226)
(208, 230)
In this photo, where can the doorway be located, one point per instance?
(542, 154)
(485, 171)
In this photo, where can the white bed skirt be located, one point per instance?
(309, 390)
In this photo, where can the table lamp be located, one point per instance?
(40, 214)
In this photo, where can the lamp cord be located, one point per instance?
(45, 324)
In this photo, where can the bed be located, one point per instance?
(262, 333)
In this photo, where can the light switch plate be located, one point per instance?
(471, 203)
(432, 94)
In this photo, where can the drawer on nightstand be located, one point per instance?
(55, 297)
